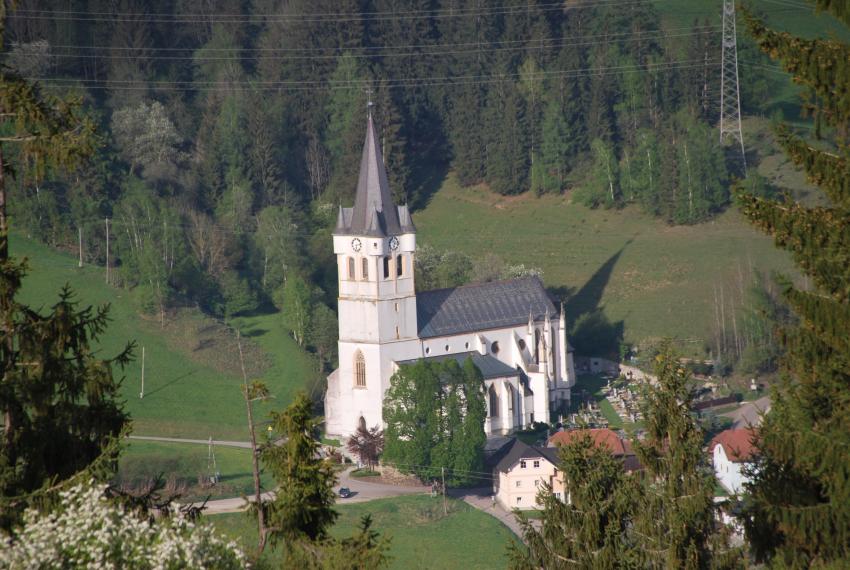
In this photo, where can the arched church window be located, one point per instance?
(359, 370)
(399, 265)
(386, 268)
(537, 345)
(494, 401)
(511, 398)
(351, 268)
(365, 269)
(361, 423)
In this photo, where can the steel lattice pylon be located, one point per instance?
(730, 94)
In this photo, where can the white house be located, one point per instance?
(520, 474)
(511, 329)
(730, 451)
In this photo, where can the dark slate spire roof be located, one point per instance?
(374, 213)
(481, 306)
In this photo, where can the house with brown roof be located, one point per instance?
(601, 437)
(731, 450)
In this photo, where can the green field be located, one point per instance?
(192, 378)
(422, 537)
(185, 464)
(658, 280)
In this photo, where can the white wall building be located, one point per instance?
(510, 328)
(731, 450)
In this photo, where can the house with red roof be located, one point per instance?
(602, 437)
(731, 450)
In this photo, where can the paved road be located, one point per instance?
(242, 444)
(749, 413)
(362, 491)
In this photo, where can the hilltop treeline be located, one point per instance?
(232, 130)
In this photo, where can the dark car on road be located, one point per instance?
(344, 492)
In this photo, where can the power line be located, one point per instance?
(655, 35)
(338, 17)
(413, 82)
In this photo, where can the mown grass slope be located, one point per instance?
(422, 537)
(657, 279)
(192, 378)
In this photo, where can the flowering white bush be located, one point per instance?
(90, 531)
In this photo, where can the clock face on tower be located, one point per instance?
(393, 243)
(355, 244)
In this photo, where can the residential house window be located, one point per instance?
(519, 483)
(536, 464)
(359, 370)
(351, 268)
(364, 267)
(558, 495)
(537, 482)
(518, 500)
(522, 465)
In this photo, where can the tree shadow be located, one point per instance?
(592, 333)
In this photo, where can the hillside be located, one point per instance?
(192, 379)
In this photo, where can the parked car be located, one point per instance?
(344, 492)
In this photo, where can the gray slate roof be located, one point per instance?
(520, 450)
(481, 306)
(374, 213)
(489, 366)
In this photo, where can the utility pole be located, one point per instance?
(730, 93)
(80, 233)
(142, 392)
(107, 251)
(443, 475)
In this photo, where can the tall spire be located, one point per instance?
(374, 213)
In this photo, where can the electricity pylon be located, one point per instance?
(730, 94)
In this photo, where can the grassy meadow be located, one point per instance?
(422, 537)
(192, 375)
(658, 280)
(184, 465)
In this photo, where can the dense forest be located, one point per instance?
(232, 130)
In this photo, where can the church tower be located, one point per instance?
(374, 243)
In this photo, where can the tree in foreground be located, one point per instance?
(300, 515)
(89, 530)
(800, 493)
(590, 528)
(658, 518)
(674, 522)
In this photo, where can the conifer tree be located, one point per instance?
(673, 524)
(588, 527)
(800, 513)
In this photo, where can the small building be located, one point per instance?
(730, 451)
(602, 437)
(521, 473)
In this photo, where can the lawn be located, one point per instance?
(186, 464)
(658, 280)
(422, 537)
(192, 378)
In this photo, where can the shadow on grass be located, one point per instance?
(169, 383)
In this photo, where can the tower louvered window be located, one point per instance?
(365, 269)
(359, 370)
(351, 268)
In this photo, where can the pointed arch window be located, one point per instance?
(351, 268)
(359, 370)
(494, 401)
(364, 269)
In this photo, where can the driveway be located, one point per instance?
(223, 443)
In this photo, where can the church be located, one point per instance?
(511, 329)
